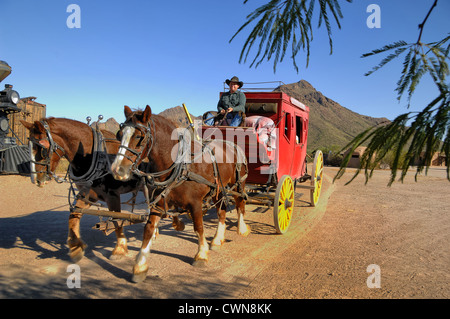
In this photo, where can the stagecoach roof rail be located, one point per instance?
(253, 86)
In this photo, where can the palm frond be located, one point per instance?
(427, 133)
(279, 23)
(420, 59)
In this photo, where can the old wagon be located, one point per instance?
(274, 134)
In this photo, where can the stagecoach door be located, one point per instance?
(300, 131)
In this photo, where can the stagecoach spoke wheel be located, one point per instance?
(316, 180)
(283, 204)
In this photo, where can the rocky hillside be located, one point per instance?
(330, 124)
(110, 125)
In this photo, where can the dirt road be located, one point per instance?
(403, 230)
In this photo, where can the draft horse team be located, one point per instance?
(140, 158)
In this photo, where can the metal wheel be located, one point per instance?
(316, 180)
(283, 204)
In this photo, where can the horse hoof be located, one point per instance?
(118, 253)
(139, 273)
(76, 254)
(245, 233)
(140, 277)
(116, 257)
(216, 247)
(200, 263)
(179, 226)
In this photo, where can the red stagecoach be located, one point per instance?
(274, 133)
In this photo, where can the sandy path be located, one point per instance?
(404, 229)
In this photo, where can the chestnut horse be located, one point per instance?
(185, 185)
(54, 138)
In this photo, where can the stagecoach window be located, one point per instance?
(298, 129)
(260, 108)
(287, 125)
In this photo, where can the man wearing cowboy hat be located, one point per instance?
(231, 103)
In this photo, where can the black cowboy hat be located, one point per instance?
(236, 80)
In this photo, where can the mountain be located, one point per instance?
(330, 124)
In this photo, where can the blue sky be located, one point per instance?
(165, 53)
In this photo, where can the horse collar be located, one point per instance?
(99, 164)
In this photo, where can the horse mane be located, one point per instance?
(52, 119)
(47, 118)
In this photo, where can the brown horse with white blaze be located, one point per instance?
(148, 137)
(54, 138)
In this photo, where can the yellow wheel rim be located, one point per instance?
(317, 178)
(283, 204)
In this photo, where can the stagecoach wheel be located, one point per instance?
(283, 205)
(316, 180)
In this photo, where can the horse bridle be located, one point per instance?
(175, 170)
(147, 139)
(53, 148)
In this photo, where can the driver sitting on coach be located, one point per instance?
(230, 104)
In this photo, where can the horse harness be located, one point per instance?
(46, 152)
(99, 166)
(180, 172)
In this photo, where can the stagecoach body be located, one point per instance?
(274, 172)
(291, 118)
